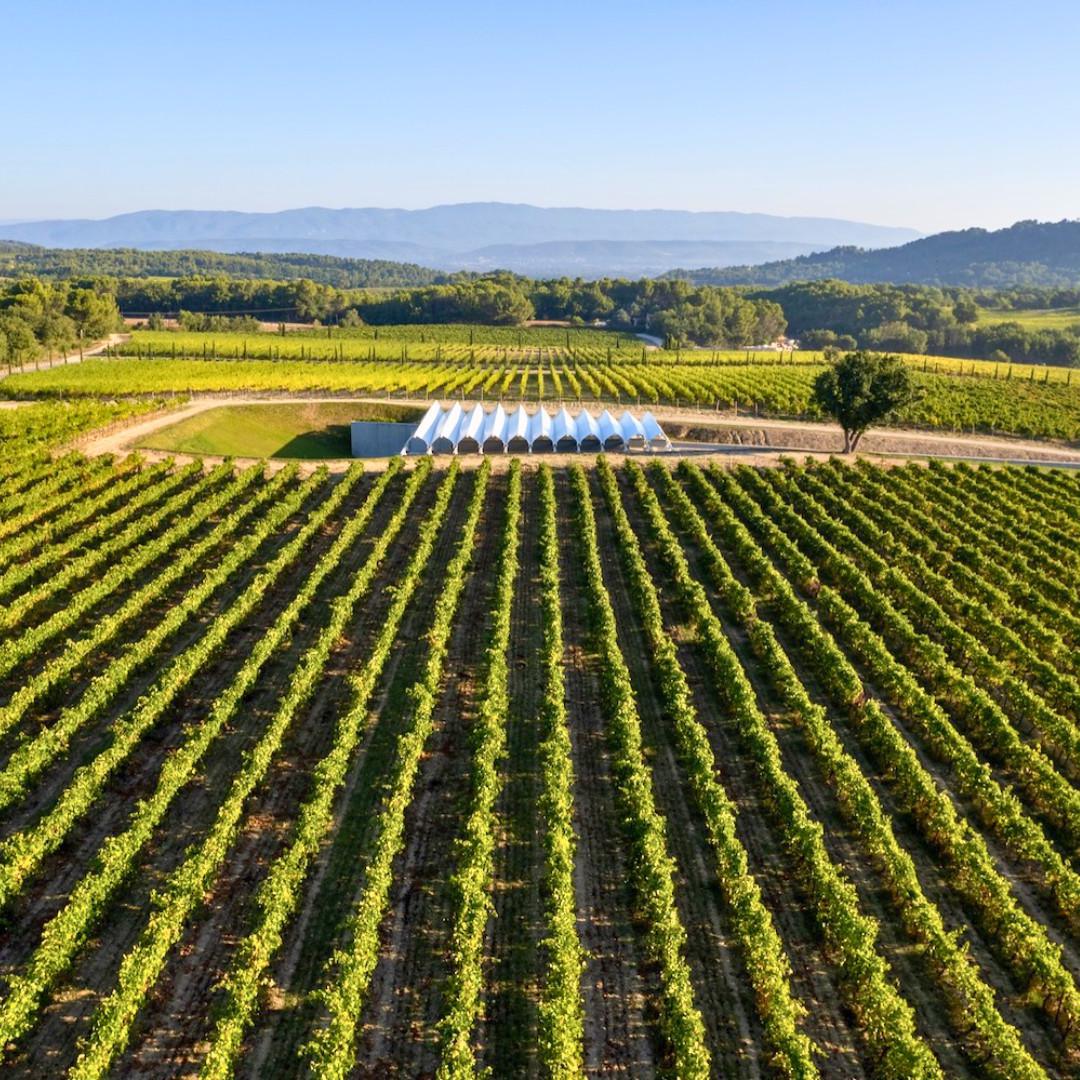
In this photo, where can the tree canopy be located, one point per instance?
(923, 319)
(1039, 253)
(343, 273)
(861, 389)
(38, 316)
(908, 318)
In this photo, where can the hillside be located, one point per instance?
(462, 236)
(1027, 253)
(18, 259)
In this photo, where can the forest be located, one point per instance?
(38, 315)
(1027, 254)
(924, 319)
(17, 258)
(676, 311)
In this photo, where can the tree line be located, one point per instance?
(18, 259)
(50, 316)
(675, 311)
(1029, 253)
(923, 319)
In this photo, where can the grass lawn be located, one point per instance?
(298, 430)
(1033, 318)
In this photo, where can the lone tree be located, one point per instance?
(863, 388)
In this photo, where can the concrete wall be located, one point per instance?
(372, 438)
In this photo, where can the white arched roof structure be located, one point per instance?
(540, 440)
(471, 433)
(421, 439)
(564, 432)
(654, 433)
(632, 431)
(446, 438)
(610, 431)
(517, 431)
(470, 429)
(494, 431)
(588, 432)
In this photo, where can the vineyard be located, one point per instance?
(493, 344)
(970, 396)
(647, 768)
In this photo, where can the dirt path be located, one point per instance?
(725, 431)
(752, 440)
(95, 349)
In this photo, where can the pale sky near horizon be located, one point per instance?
(929, 115)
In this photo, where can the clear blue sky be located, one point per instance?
(929, 114)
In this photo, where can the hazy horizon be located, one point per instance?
(567, 206)
(431, 206)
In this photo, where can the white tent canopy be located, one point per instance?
(471, 432)
(633, 432)
(588, 433)
(564, 432)
(517, 431)
(446, 439)
(610, 431)
(421, 439)
(494, 431)
(654, 433)
(457, 429)
(540, 441)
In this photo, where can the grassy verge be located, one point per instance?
(295, 430)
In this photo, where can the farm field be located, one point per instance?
(1033, 318)
(546, 771)
(492, 345)
(1035, 405)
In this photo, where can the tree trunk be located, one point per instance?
(855, 439)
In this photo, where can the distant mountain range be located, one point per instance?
(529, 240)
(1027, 253)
